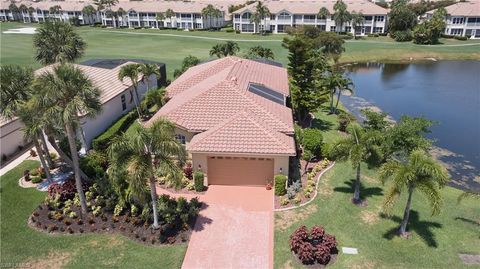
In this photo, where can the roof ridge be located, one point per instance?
(249, 113)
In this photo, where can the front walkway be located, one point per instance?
(233, 230)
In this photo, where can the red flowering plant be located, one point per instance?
(314, 246)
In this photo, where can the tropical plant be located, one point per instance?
(261, 13)
(89, 11)
(147, 70)
(55, 10)
(211, 12)
(401, 17)
(106, 6)
(358, 20)
(408, 135)
(154, 97)
(419, 172)
(428, 32)
(468, 195)
(331, 44)
(132, 71)
(260, 52)
(66, 92)
(187, 62)
(360, 146)
(159, 17)
(147, 152)
(323, 13)
(341, 15)
(225, 49)
(57, 42)
(336, 82)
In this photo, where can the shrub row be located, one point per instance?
(102, 141)
(280, 183)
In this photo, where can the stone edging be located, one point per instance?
(314, 196)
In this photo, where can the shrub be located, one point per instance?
(284, 201)
(26, 175)
(33, 153)
(53, 155)
(344, 119)
(36, 180)
(101, 142)
(280, 185)
(188, 171)
(462, 38)
(34, 173)
(65, 191)
(179, 211)
(230, 30)
(94, 164)
(314, 246)
(403, 36)
(447, 36)
(198, 181)
(312, 141)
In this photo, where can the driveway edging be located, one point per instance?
(314, 196)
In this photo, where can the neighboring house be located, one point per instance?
(231, 114)
(6, 14)
(11, 138)
(116, 96)
(463, 19)
(291, 13)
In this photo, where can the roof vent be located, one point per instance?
(234, 79)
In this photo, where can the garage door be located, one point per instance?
(239, 171)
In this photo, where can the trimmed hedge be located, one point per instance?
(462, 38)
(101, 142)
(198, 179)
(280, 183)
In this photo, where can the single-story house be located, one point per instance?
(11, 138)
(116, 96)
(231, 114)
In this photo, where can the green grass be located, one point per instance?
(20, 243)
(171, 46)
(436, 241)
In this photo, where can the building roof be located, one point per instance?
(213, 99)
(106, 80)
(313, 6)
(468, 8)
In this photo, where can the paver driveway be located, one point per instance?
(234, 230)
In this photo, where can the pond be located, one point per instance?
(447, 92)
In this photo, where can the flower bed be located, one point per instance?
(188, 185)
(313, 248)
(60, 213)
(297, 193)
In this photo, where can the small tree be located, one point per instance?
(331, 44)
(429, 32)
(89, 11)
(312, 141)
(211, 12)
(226, 49)
(323, 13)
(260, 52)
(341, 15)
(401, 18)
(408, 135)
(358, 20)
(187, 62)
(420, 172)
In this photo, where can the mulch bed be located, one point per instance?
(182, 190)
(131, 227)
(304, 199)
(316, 265)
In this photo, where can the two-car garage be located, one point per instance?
(246, 171)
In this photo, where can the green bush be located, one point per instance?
(101, 142)
(403, 36)
(312, 141)
(94, 164)
(198, 179)
(462, 38)
(280, 183)
(36, 180)
(229, 30)
(53, 155)
(447, 36)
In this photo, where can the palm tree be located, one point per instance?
(15, 92)
(65, 94)
(54, 10)
(323, 13)
(147, 70)
(211, 12)
(345, 84)
(57, 42)
(119, 14)
(360, 146)
(89, 11)
(224, 50)
(106, 6)
(169, 13)
(14, 9)
(159, 17)
(419, 171)
(260, 14)
(335, 82)
(146, 153)
(357, 20)
(341, 15)
(154, 97)
(260, 52)
(132, 71)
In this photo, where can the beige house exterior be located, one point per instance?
(11, 138)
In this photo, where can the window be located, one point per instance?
(368, 18)
(284, 16)
(332, 28)
(124, 102)
(348, 29)
(458, 20)
(132, 14)
(180, 138)
(246, 15)
(197, 16)
(379, 18)
(272, 17)
(297, 17)
(237, 16)
(248, 28)
(310, 18)
(456, 32)
(186, 16)
(378, 29)
(70, 13)
(473, 20)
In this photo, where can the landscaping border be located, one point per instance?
(313, 197)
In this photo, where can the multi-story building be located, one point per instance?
(463, 19)
(291, 13)
(6, 14)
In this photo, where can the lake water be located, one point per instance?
(447, 92)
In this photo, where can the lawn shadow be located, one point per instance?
(422, 228)
(201, 220)
(364, 191)
(468, 221)
(323, 125)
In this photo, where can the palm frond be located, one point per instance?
(467, 195)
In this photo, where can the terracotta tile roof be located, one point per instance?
(313, 6)
(469, 8)
(242, 133)
(105, 79)
(210, 95)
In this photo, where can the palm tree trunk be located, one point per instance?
(135, 99)
(331, 101)
(50, 162)
(42, 159)
(338, 99)
(356, 193)
(406, 213)
(153, 194)
(64, 156)
(76, 166)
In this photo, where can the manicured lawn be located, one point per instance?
(20, 243)
(171, 46)
(436, 241)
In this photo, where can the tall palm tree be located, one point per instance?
(419, 172)
(154, 97)
(357, 20)
(89, 11)
(13, 9)
(54, 10)
(323, 13)
(336, 82)
(119, 14)
(169, 13)
(15, 92)
(341, 15)
(211, 12)
(147, 70)
(345, 85)
(146, 153)
(360, 146)
(261, 13)
(57, 42)
(106, 6)
(225, 49)
(66, 92)
(260, 52)
(132, 71)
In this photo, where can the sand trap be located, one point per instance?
(26, 30)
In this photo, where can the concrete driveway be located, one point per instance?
(233, 230)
